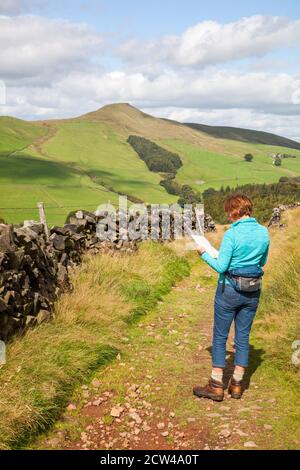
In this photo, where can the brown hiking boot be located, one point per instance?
(235, 389)
(213, 390)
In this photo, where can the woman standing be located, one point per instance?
(243, 253)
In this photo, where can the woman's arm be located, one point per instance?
(222, 263)
(263, 261)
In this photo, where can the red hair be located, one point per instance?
(238, 205)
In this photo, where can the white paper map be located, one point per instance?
(202, 242)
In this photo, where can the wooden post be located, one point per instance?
(43, 217)
(2, 353)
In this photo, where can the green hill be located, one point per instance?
(16, 134)
(86, 161)
(245, 135)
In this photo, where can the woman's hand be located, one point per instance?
(201, 250)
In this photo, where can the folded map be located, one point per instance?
(202, 242)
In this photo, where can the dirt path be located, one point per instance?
(37, 145)
(144, 399)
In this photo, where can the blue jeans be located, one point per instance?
(241, 307)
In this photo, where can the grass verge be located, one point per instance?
(278, 323)
(276, 328)
(89, 328)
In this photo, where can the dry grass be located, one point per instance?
(146, 125)
(45, 365)
(91, 324)
(278, 323)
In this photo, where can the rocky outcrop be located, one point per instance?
(275, 220)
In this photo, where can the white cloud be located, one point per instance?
(52, 68)
(82, 91)
(214, 89)
(245, 118)
(10, 6)
(14, 7)
(38, 47)
(210, 42)
(2, 93)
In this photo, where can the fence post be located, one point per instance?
(43, 218)
(2, 353)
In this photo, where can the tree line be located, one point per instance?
(161, 160)
(265, 197)
(156, 158)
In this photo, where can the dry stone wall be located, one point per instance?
(275, 220)
(34, 269)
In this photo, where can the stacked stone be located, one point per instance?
(275, 220)
(176, 225)
(34, 270)
(30, 277)
(209, 224)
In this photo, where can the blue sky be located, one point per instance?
(218, 62)
(148, 18)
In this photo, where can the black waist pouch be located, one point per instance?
(247, 279)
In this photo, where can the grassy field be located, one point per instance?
(17, 134)
(26, 180)
(203, 169)
(107, 158)
(28, 177)
(84, 162)
(81, 166)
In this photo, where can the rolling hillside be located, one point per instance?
(85, 161)
(245, 135)
(16, 134)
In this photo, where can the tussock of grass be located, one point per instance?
(45, 365)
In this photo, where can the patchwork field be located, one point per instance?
(26, 179)
(86, 161)
(204, 169)
(107, 158)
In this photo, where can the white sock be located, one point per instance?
(218, 376)
(238, 375)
